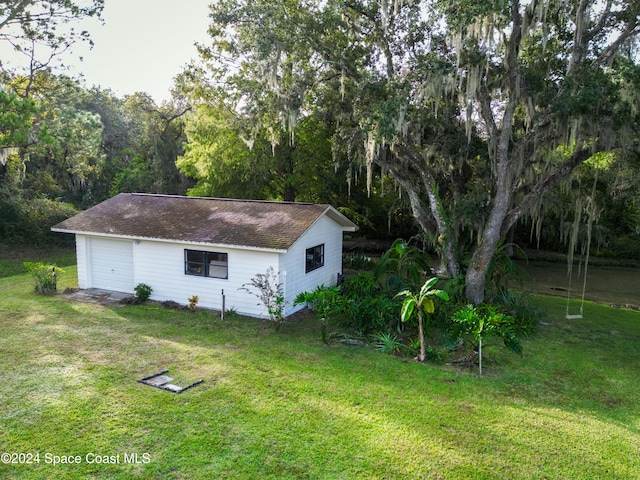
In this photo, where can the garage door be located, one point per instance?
(112, 264)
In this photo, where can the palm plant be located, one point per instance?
(324, 301)
(402, 266)
(421, 303)
(503, 268)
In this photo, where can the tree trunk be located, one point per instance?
(289, 193)
(501, 137)
(410, 172)
(481, 260)
(476, 276)
(423, 351)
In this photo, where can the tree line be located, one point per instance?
(469, 124)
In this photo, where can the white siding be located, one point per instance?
(111, 264)
(82, 261)
(161, 266)
(292, 267)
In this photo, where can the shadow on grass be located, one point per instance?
(283, 405)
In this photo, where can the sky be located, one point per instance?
(142, 45)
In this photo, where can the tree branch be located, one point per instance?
(414, 179)
(547, 183)
(610, 51)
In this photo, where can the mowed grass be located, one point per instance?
(12, 257)
(284, 406)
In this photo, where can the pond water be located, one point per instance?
(610, 285)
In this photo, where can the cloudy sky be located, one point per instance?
(142, 45)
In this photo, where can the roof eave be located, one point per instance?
(346, 224)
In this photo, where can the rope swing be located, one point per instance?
(591, 213)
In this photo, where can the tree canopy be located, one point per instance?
(475, 108)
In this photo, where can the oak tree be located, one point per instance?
(475, 108)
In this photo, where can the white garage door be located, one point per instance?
(112, 264)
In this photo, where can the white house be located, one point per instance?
(185, 246)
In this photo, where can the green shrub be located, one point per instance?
(359, 285)
(367, 308)
(627, 246)
(524, 310)
(387, 343)
(324, 301)
(45, 276)
(479, 322)
(143, 292)
(503, 269)
(377, 313)
(442, 317)
(432, 354)
(401, 267)
(10, 218)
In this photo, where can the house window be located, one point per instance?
(314, 258)
(206, 264)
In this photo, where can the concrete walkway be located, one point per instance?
(97, 295)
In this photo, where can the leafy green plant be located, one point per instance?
(454, 287)
(36, 216)
(387, 343)
(403, 266)
(45, 277)
(193, 303)
(269, 293)
(324, 301)
(230, 313)
(374, 313)
(483, 323)
(359, 285)
(367, 308)
(421, 303)
(143, 292)
(432, 354)
(503, 268)
(521, 306)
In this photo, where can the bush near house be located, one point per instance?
(143, 292)
(45, 277)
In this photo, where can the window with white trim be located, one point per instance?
(206, 264)
(314, 258)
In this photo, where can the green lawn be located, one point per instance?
(281, 405)
(13, 256)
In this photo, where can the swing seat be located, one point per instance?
(573, 317)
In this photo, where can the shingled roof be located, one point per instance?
(218, 221)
